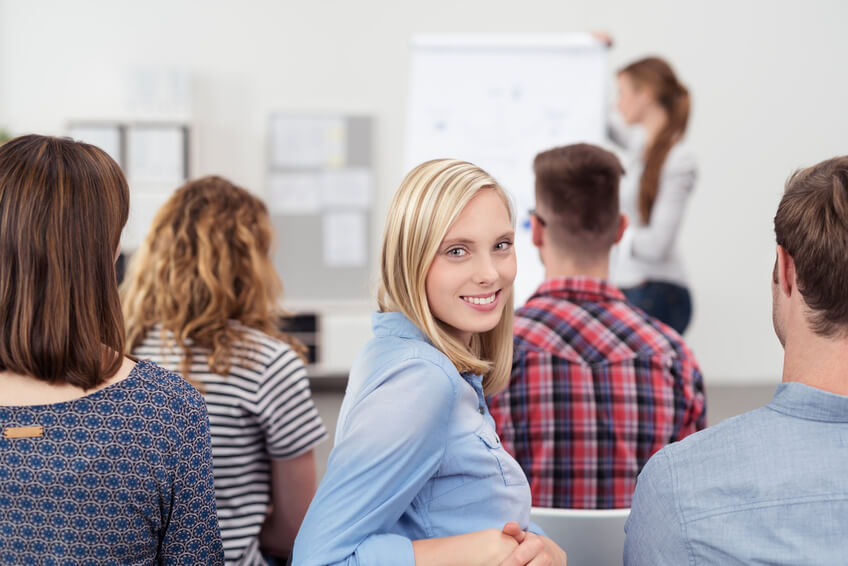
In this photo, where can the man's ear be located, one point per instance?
(785, 272)
(537, 232)
(623, 223)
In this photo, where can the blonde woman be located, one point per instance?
(202, 297)
(417, 474)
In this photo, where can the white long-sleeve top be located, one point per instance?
(649, 251)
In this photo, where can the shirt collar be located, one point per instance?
(810, 403)
(395, 324)
(475, 380)
(580, 288)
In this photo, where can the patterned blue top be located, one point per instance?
(121, 476)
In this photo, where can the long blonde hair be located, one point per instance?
(427, 203)
(205, 262)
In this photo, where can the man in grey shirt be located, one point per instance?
(770, 486)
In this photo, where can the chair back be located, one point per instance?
(589, 537)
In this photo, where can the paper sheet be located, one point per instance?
(106, 136)
(348, 188)
(308, 142)
(345, 239)
(157, 154)
(295, 193)
(157, 93)
(312, 193)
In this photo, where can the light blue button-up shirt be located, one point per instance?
(767, 487)
(416, 456)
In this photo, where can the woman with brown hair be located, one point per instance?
(202, 297)
(102, 459)
(660, 175)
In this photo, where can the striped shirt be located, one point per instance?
(263, 409)
(597, 387)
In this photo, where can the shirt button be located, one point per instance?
(482, 411)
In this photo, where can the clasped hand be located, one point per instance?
(532, 549)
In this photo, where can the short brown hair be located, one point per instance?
(811, 224)
(578, 186)
(63, 205)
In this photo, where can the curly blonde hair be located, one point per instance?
(205, 262)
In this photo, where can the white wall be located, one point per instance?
(766, 78)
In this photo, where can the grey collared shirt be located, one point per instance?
(766, 487)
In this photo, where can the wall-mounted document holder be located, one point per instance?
(320, 194)
(154, 156)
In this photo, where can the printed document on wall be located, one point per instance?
(308, 141)
(157, 154)
(345, 239)
(295, 192)
(350, 187)
(105, 136)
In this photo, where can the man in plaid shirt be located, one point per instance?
(597, 385)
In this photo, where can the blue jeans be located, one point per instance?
(668, 302)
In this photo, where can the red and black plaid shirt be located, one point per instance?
(597, 387)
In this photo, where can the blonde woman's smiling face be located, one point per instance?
(472, 273)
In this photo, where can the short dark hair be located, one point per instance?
(578, 187)
(811, 224)
(63, 205)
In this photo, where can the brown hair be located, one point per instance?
(206, 261)
(63, 205)
(578, 187)
(657, 75)
(811, 224)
